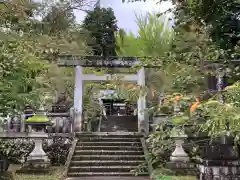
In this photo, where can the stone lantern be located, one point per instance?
(161, 115)
(37, 160)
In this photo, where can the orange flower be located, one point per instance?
(130, 86)
(194, 106)
(178, 98)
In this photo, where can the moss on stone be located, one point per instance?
(37, 119)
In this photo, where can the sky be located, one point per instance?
(126, 12)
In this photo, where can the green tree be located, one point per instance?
(28, 56)
(17, 15)
(58, 19)
(221, 18)
(101, 23)
(20, 69)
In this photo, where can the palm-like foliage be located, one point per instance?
(154, 41)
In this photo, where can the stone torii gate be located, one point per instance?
(79, 62)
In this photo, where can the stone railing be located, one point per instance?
(59, 125)
(62, 123)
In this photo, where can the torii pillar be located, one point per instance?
(143, 119)
(78, 99)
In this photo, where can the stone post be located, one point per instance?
(78, 99)
(142, 116)
(22, 123)
(220, 75)
(159, 117)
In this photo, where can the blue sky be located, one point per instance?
(125, 12)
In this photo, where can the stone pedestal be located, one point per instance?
(179, 155)
(179, 161)
(178, 168)
(38, 154)
(37, 161)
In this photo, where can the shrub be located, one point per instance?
(57, 149)
(17, 150)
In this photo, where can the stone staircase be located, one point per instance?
(106, 154)
(119, 123)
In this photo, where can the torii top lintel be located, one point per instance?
(100, 61)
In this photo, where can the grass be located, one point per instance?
(55, 174)
(175, 178)
(161, 174)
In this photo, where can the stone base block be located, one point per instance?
(14, 167)
(7, 176)
(180, 158)
(36, 166)
(181, 169)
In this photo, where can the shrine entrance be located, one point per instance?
(120, 115)
(115, 108)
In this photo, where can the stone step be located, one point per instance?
(106, 163)
(107, 157)
(132, 148)
(107, 152)
(115, 143)
(101, 168)
(109, 134)
(108, 139)
(99, 174)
